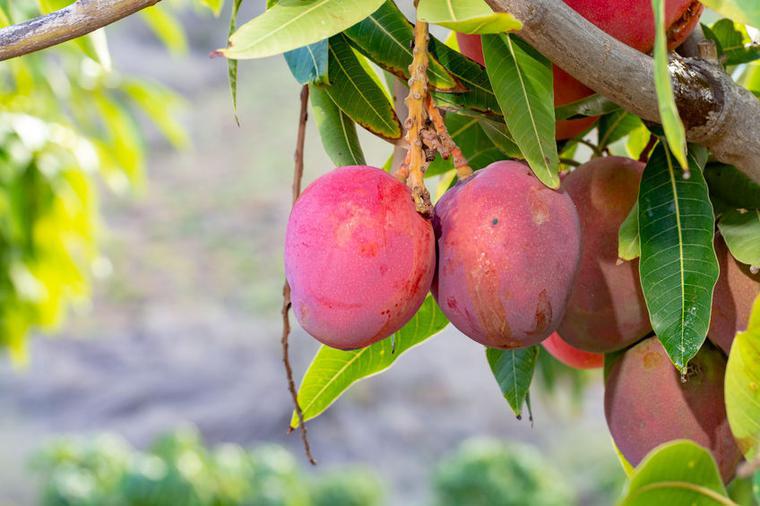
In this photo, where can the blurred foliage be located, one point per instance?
(66, 115)
(178, 470)
(492, 473)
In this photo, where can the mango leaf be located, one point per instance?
(742, 11)
(594, 105)
(232, 65)
(466, 16)
(523, 83)
(734, 46)
(476, 146)
(732, 186)
(628, 236)
(332, 371)
(291, 24)
(357, 93)
(615, 126)
(160, 104)
(678, 266)
(677, 473)
(166, 28)
(666, 103)
(337, 131)
(742, 380)
(513, 370)
(498, 134)
(756, 486)
(741, 230)
(478, 95)
(308, 64)
(386, 36)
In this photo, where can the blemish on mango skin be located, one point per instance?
(543, 313)
(538, 207)
(651, 359)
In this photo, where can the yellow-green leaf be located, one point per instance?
(466, 16)
(742, 11)
(743, 386)
(291, 24)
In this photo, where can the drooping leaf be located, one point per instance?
(498, 134)
(522, 80)
(513, 370)
(476, 145)
(336, 129)
(741, 230)
(742, 391)
(628, 236)
(678, 266)
(386, 36)
(742, 11)
(308, 64)
(214, 5)
(291, 24)
(677, 473)
(161, 105)
(357, 93)
(166, 28)
(594, 105)
(732, 186)
(666, 103)
(333, 371)
(232, 65)
(466, 16)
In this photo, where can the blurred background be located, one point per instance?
(164, 383)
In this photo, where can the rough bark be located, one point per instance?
(716, 111)
(79, 18)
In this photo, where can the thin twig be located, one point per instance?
(297, 177)
(75, 20)
(448, 148)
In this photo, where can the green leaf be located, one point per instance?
(333, 371)
(476, 146)
(214, 5)
(337, 131)
(358, 94)
(523, 82)
(666, 103)
(615, 126)
(166, 28)
(742, 11)
(741, 230)
(677, 473)
(160, 104)
(497, 132)
(308, 64)
(232, 65)
(466, 16)
(628, 236)
(594, 105)
(291, 24)
(742, 386)
(386, 36)
(513, 370)
(732, 186)
(678, 266)
(734, 45)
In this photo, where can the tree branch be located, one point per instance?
(716, 111)
(79, 18)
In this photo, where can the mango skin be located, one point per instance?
(507, 254)
(570, 355)
(629, 21)
(734, 294)
(646, 404)
(606, 311)
(358, 257)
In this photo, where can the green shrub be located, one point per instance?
(493, 473)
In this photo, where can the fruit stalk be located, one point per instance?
(413, 169)
(286, 303)
(447, 146)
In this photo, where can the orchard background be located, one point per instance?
(166, 298)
